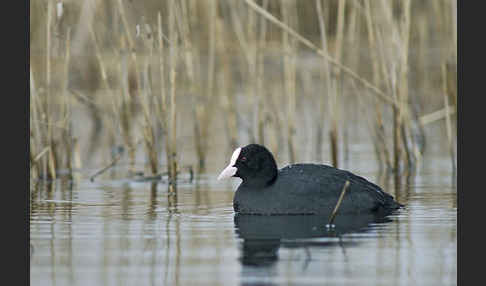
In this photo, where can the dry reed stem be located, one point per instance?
(133, 56)
(247, 43)
(77, 162)
(260, 75)
(227, 98)
(252, 66)
(252, 86)
(448, 120)
(103, 69)
(41, 153)
(148, 105)
(352, 60)
(325, 73)
(163, 115)
(322, 53)
(339, 34)
(337, 90)
(191, 60)
(51, 164)
(67, 130)
(111, 164)
(338, 204)
(289, 46)
(454, 28)
(173, 50)
(35, 133)
(437, 115)
(404, 28)
(381, 146)
(208, 108)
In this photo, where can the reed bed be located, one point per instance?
(147, 72)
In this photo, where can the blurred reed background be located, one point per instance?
(168, 84)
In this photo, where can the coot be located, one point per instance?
(299, 188)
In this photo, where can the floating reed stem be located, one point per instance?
(113, 162)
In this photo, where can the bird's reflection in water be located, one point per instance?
(262, 236)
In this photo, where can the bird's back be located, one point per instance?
(312, 189)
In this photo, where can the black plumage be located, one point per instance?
(301, 188)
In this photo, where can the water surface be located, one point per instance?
(122, 232)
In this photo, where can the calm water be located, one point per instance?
(122, 232)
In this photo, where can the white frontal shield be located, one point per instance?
(230, 170)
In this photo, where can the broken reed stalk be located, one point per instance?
(338, 204)
(111, 164)
(288, 11)
(436, 115)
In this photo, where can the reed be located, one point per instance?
(379, 135)
(243, 63)
(325, 75)
(173, 52)
(288, 10)
(35, 131)
(447, 117)
(48, 114)
(162, 113)
(338, 204)
(337, 88)
(260, 78)
(66, 131)
(226, 95)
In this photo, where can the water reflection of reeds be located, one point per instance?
(145, 72)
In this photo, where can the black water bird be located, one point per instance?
(299, 188)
